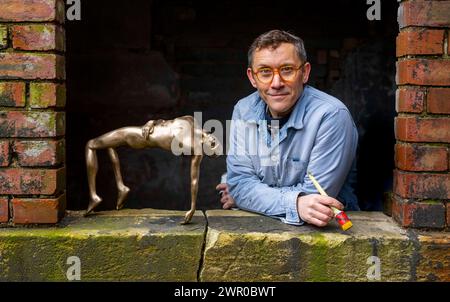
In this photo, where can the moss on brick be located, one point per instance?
(6, 98)
(12, 94)
(44, 95)
(36, 93)
(3, 36)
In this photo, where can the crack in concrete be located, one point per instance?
(203, 249)
(375, 243)
(415, 257)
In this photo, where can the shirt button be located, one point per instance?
(274, 158)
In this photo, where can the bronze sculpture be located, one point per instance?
(172, 135)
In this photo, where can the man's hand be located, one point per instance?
(226, 200)
(315, 209)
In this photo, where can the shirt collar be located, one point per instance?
(268, 117)
(256, 112)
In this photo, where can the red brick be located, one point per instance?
(420, 42)
(425, 214)
(39, 153)
(410, 100)
(31, 124)
(31, 66)
(424, 13)
(423, 72)
(32, 181)
(38, 37)
(4, 153)
(422, 185)
(4, 210)
(27, 210)
(32, 10)
(12, 94)
(415, 129)
(413, 157)
(45, 95)
(438, 100)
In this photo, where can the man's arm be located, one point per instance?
(332, 155)
(247, 189)
(330, 160)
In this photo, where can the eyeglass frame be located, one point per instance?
(276, 70)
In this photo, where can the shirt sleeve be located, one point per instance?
(332, 155)
(248, 191)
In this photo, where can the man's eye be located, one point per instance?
(287, 69)
(265, 71)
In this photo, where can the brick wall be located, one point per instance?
(422, 127)
(32, 118)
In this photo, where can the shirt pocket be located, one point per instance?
(294, 172)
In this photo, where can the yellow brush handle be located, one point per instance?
(316, 184)
(321, 191)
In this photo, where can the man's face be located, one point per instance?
(280, 95)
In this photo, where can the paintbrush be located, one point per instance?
(340, 216)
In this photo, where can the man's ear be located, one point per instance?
(250, 77)
(306, 72)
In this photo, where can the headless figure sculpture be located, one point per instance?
(178, 133)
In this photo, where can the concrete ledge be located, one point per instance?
(119, 245)
(151, 245)
(241, 246)
(433, 257)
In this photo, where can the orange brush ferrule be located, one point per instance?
(339, 215)
(343, 220)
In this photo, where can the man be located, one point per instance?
(284, 130)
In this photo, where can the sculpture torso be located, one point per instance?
(165, 131)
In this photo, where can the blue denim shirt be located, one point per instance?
(267, 171)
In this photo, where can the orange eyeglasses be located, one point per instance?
(286, 72)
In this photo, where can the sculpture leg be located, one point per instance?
(195, 174)
(127, 136)
(92, 168)
(122, 189)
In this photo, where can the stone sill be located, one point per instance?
(151, 245)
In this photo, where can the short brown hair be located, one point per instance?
(273, 39)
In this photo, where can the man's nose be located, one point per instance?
(277, 81)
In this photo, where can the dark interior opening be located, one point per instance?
(128, 62)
